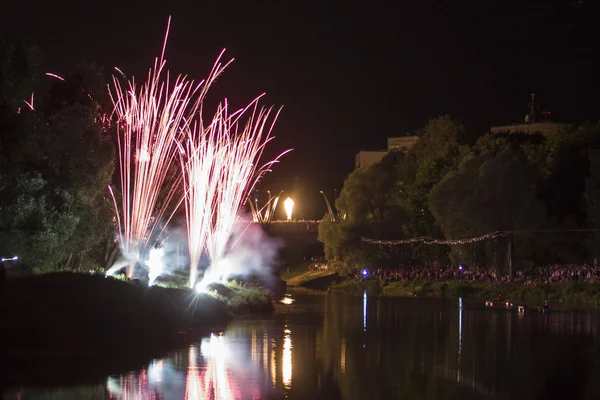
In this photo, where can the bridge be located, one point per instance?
(292, 227)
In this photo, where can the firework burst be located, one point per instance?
(221, 169)
(218, 159)
(150, 120)
(264, 215)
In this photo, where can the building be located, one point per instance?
(365, 158)
(403, 143)
(544, 128)
(535, 122)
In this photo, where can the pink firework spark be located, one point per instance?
(223, 174)
(151, 118)
(30, 102)
(265, 213)
(242, 145)
(219, 160)
(55, 76)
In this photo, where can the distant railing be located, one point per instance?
(295, 221)
(303, 225)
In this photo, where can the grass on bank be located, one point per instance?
(301, 274)
(243, 299)
(91, 313)
(580, 294)
(295, 270)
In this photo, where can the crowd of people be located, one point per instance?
(318, 264)
(540, 275)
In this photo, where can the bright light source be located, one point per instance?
(287, 300)
(365, 272)
(155, 264)
(10, 259)
(201, 287)
(289, 206)
(460, 268)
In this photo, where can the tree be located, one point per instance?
(57, 162)
(489, 192)
(31, 227)
(370, 202)
(437, 153)
(592, 200)
(19, 73)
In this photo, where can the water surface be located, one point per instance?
(340, 347)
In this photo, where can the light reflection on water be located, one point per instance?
(454, 349)
(287, 359)
(235, 365)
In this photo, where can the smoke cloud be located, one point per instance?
(253, 254)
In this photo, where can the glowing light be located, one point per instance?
(265, 354)
(343, 356)
(55, 76)
(216, 369)
(288, 204)
(364, 311)
(365, 272)
(10, 259)
(117, 266)
(265, 213)
(162, 121)
(216, 376)
(273, 364)
(155, 264)
(287, 299)
(287, 359)
(193, 383)
(229, 166)
(150, 118)
(460, 318)
(155, 371)
(30, 102)
(253, 346)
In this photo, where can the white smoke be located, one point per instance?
(253, 254)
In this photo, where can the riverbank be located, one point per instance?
(55, 319)
(570, 294)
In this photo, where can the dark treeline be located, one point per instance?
(57, 157)
(445, 188)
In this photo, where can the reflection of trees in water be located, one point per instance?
(411, 350)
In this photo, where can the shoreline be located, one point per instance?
(569, 295)
(68, 326)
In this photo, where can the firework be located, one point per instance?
(150, 122)
(264, 215)
(221, 169)
(60, 78)
(162, 120)
(155, 264)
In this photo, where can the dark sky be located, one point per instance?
(349, 74)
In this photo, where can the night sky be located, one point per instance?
(349, 74)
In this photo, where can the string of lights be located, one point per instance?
(427, 240)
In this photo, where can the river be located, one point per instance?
(333, 346)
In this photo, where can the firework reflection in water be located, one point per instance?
(217, 368)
